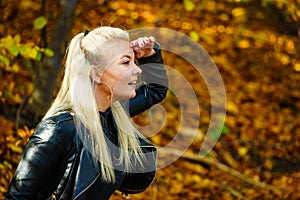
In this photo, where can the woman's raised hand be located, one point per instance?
(143, 46)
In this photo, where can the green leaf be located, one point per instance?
(188, 5)
(5, 60)
(225, 130)
(14, 50)
(38, 56)
(40, 23)
(194, 35)
(48, 52)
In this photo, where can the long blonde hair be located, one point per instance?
(77, 95)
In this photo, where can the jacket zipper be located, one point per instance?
(85, 189)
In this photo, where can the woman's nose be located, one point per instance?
(136, 70)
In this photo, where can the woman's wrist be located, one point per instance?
(150, 53)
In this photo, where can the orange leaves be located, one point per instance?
(259, 64)
(11, 147)
(25, 133)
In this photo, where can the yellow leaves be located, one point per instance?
(179, 176)
(239, 14)
(15, 68)
(283, 58)
(129, 10)
(242, 151)
(229, 159)
(131, 6)
(196, 178)
(297, 67)
(27, 4)
(207, 38)
(187, 26)
(29, 51)
(121, 12)
(194, 35)
(243, 44)
(148, 16)
(134, 15)
(224, 17)
(15, 148)
(7, 42)
(6, 171)
(239, 11)
(156, 139)
(246, 54)
(189, 5)
(289, 46)
(232, 107)
(11, 47)
(268, 164)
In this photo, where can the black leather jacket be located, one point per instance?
(55, 163)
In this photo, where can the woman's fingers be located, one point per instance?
(142, 42)
(143, 46)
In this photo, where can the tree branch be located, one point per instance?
(220, 166)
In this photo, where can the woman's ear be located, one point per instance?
(95, 75)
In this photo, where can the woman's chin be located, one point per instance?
(133, 95)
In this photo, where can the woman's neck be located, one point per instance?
(103, 100)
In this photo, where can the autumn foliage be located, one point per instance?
(255, 45)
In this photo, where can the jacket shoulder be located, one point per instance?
(59, 127)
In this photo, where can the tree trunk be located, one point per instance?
(47, 70)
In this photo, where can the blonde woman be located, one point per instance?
(86, 146)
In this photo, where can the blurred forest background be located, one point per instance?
(255, 45)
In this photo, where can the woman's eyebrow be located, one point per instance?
(129, 55)
(126, 56)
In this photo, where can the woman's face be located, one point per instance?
(121, 74)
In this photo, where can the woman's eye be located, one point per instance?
(126, 62)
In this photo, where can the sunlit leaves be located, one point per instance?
(244, 44)
(14, 50)
(297, 67)
(48, 52)
(239, 11)
(260, 67)
(194, 35)
(242, 151)
(14, 47)
(40, 23)
(24, 133)
(4, 59)
(11, 151)
(189, 5)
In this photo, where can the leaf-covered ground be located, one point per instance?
(254, 45)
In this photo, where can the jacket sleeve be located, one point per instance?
(155, 83)
(38, 162)
(142, 176)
